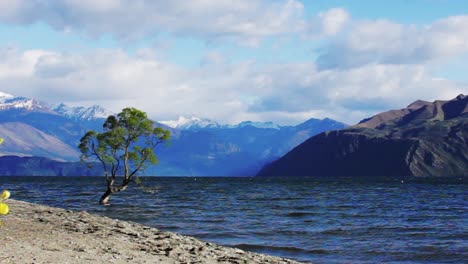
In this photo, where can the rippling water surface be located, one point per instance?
(299, 218)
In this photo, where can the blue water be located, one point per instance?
(298, 218)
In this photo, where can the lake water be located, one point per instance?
(299, 218)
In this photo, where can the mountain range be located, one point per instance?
(184, 123)
(233, 150)
(198, 147)
(425, 139)
(33, 128)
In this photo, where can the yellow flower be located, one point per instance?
(5, 195)
(4, 209)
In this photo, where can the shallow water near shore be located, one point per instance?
(299, 218)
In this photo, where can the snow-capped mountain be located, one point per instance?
(81, 112)
(5, 96)
(8, 102)
(258, 124)
(11, 102)
(34, 128)
(184, 123)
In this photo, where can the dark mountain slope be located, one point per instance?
(35, 166)
(424, 140)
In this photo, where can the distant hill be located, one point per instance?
(423, 140)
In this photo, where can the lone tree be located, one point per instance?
(125, 147)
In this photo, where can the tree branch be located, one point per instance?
(145, 158)
(96, 154)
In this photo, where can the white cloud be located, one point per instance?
(332, 21)
(219, 90)
(387, 42)
(244, 21)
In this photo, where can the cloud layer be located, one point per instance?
(362, 66)
(219, 90)
(387, 42)
(245, 21)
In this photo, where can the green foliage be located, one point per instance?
(126, 144)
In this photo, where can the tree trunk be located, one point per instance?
(105, 197)
(110, 190)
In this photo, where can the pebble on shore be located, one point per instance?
(34, 233)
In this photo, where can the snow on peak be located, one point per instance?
(8, 102)
(5, 96)
(97, 111)
(81, 112)
(196, 122)
(191, 122)
(259, 124)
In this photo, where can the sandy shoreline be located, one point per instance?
(34, 233)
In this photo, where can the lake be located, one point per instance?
(306, 219)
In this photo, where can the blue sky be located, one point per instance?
(404, 11)
(280, 60)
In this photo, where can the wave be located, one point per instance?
(299, 214)
(264, 248)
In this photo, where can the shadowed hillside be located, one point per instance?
(36, 166)
(424, 140)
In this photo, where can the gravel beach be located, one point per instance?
(34, 233)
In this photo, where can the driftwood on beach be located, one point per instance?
(39, 234)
